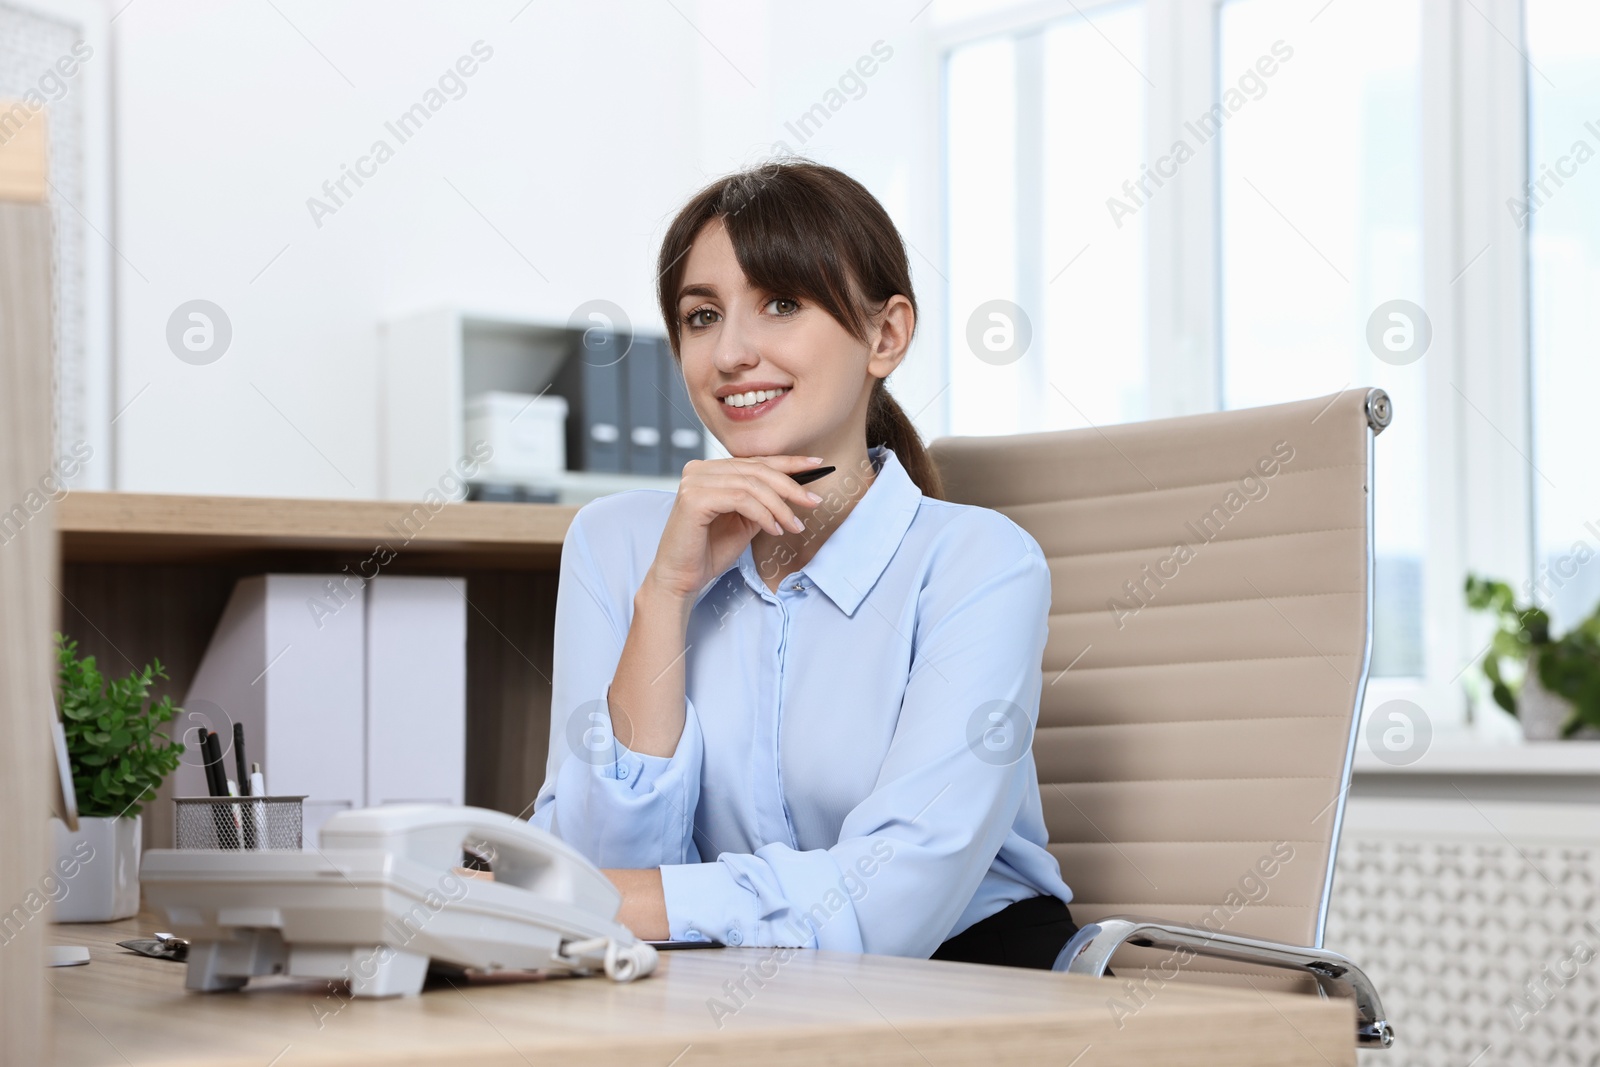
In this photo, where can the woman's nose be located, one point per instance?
(734, 347)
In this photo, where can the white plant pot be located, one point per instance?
(1543, 713)
(97, 869)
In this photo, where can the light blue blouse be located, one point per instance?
(855, 770)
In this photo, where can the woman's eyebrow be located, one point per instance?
(698, 289)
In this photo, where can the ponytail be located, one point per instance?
(888, 424)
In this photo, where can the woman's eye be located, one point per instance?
(792, 305)
(693, 319)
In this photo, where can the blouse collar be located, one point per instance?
(855, 555)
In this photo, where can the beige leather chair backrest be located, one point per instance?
(1210, 634)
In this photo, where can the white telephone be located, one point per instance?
(381, 899)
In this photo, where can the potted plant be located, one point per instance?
(1553, 684)
(118, 760)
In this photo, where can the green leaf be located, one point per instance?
(116, 755)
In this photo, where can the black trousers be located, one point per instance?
(1028, 933)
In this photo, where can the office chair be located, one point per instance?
(1210, 636)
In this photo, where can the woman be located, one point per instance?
(790, 715)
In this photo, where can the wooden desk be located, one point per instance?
(146, 576)
(817, 1007)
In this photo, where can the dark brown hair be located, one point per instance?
(800, 229)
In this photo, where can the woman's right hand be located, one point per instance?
(721, 505)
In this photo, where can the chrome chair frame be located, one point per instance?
(1090, 950)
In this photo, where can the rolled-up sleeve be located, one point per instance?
(913, 852)
(618, 807)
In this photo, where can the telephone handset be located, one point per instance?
(381, 900)
(523, 855)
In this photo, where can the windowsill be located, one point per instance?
(1498, 757)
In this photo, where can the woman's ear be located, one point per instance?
(892, 337)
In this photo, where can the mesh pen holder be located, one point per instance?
(234, 823)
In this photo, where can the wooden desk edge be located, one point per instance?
(140, 521)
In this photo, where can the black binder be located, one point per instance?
(592, 381)
(643, 370)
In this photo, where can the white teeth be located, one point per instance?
(744, 400)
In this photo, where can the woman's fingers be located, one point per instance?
(756, 489)
(777, 490)
(762, 487)
(737, 500)
(782, 483)
(709, 493)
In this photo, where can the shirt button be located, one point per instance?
(734, 936)
(622, 770)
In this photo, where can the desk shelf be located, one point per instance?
(146, 576)
(150, 528)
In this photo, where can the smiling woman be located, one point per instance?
(805, 733)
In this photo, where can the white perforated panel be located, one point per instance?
(31, 47)
(1480, 925)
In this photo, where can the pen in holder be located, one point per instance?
(237, 823)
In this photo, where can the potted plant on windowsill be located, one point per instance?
(1558, 695)
(118, 760)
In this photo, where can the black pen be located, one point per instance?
(238, 759)
(218, 784)
(812, 475)
(246, 815)
(211, 752)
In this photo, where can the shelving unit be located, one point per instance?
(432, 361)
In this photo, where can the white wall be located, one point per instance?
(577, 140)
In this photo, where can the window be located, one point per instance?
(1321, 189)
(980, 164)
(1046, 125)
(1349, 204)
(1093, 268)
(1561, 216)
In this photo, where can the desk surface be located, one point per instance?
(151, 527)
(816, 1007)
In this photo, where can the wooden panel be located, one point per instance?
(804, 1008)
(126, 617)
(511, 621)
(27, 607)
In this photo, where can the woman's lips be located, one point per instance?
(754, 411)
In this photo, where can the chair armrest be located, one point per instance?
(1091, 948)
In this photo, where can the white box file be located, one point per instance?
(286, 661)
(351, 694)
(528, 434)
(416, 649)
